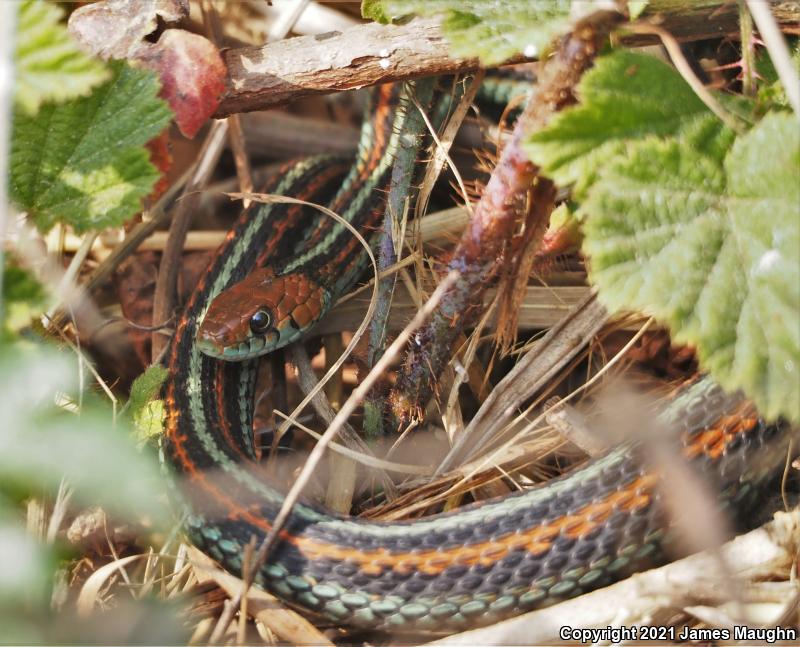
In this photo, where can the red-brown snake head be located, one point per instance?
(259, 314)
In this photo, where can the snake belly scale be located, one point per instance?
(446, 572)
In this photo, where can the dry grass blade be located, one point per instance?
(240, 157)
(572, 425)
(90, 591)
(462, 373)
(67, 290)
(438, 228)
(60, 508)
(542, 308)
(368, 460)
(441, 153)
(535, 369)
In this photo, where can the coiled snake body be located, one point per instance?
(484, 562)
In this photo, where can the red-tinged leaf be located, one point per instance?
(117, 28)
(161, 158)
(190, 67)
(192, 76)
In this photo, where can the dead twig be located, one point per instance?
(364, 55)
(484, 242)
(260, 77)
(164, 298)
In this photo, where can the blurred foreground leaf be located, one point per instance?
(145, 411)
(41, 444)
(491, 31)
(24, 298)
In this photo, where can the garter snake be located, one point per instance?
(486, 561)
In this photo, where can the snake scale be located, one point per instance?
(597, 524)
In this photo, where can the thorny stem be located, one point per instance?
(483, 243)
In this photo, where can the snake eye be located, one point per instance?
(260, 322)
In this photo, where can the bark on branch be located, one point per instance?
(259, 77)
(262, 77)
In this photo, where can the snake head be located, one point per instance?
(259, 314)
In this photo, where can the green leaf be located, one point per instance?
(624, 98)
(146, 387)
(24, 298)
(83, 163)
(713, 250)
(492, 31)
(373, 10)
(148, 423)
(771, 92)
(49, 65)
(20, 285)
(636, 8)
(147, 414)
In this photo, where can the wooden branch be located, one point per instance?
(280, 135)
(166, 282)
(262, 77)
(690, 20)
